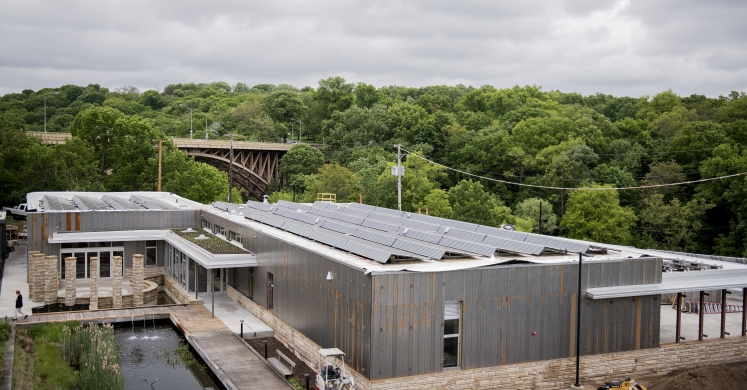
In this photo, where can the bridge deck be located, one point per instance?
(183, 143)
(230, 359)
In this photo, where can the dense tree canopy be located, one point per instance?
(520, 134)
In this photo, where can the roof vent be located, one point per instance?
(507, 226)
(201, 237)
(264, 199)
(189, 230)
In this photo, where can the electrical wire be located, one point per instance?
(409, 153)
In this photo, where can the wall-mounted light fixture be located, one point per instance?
(330, 275)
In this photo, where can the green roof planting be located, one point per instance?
(211, 243)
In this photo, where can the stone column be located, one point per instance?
(70, 281)
(137, 280)
(35, 272)
(117, 282)
(94, 279)
(51, 280)
(29, 255)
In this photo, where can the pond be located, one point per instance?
(158, 351)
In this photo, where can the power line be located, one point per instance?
(574, 188)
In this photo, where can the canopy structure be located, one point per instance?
(676, 282)
(200, 255)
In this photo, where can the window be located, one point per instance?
(452, 312)
(222, 231)
(232, 236)
(207, 225)
(150, 253)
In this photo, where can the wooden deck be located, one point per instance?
(231, 360)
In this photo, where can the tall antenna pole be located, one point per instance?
(578, 321)
(230, 169)
(159, 164)
(399, 178)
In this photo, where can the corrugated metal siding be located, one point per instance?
(501, 308)
(333, 313)
(42, 225)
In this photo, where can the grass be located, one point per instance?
(4, 336)
(67, 356)
(212, 244)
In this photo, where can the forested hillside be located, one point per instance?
(520, 135)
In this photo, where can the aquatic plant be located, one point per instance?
(94, 350)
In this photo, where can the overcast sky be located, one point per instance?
(625, 47)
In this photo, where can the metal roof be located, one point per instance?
(674, 282)
(89, 203)
(57, 203)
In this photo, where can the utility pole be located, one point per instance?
(399, 177)
(230, 169)
(159, 163)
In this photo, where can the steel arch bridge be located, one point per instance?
(255, 164)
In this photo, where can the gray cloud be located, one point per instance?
(619, 47)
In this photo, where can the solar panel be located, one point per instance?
(385, 211)
(89, 203)
(422, 236)
(297, 229)
(375, 237)
(510, 234)
(367, 252)
(259, 206)
(361, 207)
(151, 203)
(467, 246)
(294, 205)
(338, 227)
(466, 226)
(557, 243)
(348, 218)
(322, 205)
(287, 213)
(322, 212)
(57, 203)
(327, 239)
(464, 235)
(426, 227)
(420, 249)
(118, 203)
(383, 218)
(513, 246)
(380, 226)
(357, 213)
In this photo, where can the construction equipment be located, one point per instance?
(627, 384)
(330, 376)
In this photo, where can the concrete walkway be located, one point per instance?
(14, 278)
(231, 313)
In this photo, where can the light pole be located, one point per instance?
(206, 128)
(190, 120)
(45, 112)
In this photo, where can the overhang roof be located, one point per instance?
(202, 256)
(674, 282)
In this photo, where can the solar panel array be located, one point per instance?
(105, 203)
(383, 234)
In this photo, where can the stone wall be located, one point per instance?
(70, 281)
(150, 298)
(177, 294)
(148, 272)
(547, 374)
(93, 264)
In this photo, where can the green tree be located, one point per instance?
(436, 203)
(301, 159)
(529, 209)
(596, 215)
(357, 127)
(193, 180)
(335, 179)
(367, 95)
(674, 225)
(334, 94)
(471, 203)
(285, 106)
(698, 139)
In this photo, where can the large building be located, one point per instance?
(404, 295)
